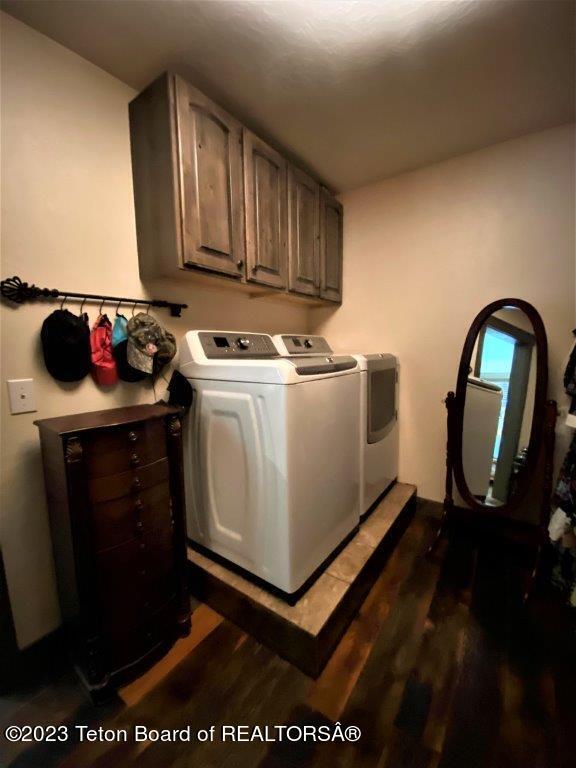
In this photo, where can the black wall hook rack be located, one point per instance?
(16, 290)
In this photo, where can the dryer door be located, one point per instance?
(382, 411)
(230, 472)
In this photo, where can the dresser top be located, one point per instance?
(111, 417)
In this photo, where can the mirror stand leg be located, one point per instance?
(448, 500)
(444, 523)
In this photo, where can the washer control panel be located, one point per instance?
(306, 345)
(226, 344)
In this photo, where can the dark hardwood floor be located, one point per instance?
(443, 666)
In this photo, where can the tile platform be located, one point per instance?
(307, 632)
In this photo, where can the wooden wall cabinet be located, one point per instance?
(304, 218)
(188, 188)
(212, 197)
(266, 202)
(331, 230)
(212, 203)
(115, 489)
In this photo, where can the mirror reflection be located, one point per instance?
(499, 406)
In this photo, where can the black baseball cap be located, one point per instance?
(125, 371)
(66, 345)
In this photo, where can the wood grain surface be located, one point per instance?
(443, 666)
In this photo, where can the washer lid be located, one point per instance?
(308, 365)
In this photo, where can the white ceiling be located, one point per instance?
(359, 90)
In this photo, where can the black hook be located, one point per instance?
(133, 308)
(101, 305)
(63, 300)
(118, 307)
(82, 306)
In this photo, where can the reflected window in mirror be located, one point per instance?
(499, 406)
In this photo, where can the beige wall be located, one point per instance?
(424, 252)
(68, 222)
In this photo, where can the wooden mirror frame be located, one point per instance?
(456, 404)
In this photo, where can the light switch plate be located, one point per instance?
(22, 395)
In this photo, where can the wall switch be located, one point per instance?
(22, 395)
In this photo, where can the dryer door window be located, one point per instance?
(382, 413)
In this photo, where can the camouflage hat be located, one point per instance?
(144, 334)
(150, 346)
(166, 350)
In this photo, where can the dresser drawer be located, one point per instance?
(125, 646)
(133, 481)
(118, 450)
(118, 520)
(135, 579)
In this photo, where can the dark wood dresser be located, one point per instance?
(114, 481)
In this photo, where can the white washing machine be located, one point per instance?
(378, 407)
(271, 463)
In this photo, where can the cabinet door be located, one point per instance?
(266, 201)
(303, 216)
(330, 247)
(210, 153)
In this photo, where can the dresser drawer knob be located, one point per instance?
(136, 483)
(139, 525)
(132, 436)
(134, 459)
(138, 506)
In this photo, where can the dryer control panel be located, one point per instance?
(306, 345)
(216, 345)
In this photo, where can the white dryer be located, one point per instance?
(481, 417)
(378, 414)
(271, 462)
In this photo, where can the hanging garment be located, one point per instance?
(104, 369)
(150, 346)
(562, 526)
(565, 494)
(559, 525)
(570, 387)
(125, 370)
(180, 390)
(66, 345)
(570, 374)
(119, 332)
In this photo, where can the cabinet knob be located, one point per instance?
(254, 268)
(132, 436)
(139, 525)
(240, 263)
(134, 459)
(136, 483)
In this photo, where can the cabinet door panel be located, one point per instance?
(265, 184)
(210, 146)
(330, 247)
(303, 194)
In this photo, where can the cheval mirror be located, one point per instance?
(501, 426)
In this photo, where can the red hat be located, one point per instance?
(104, 369)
